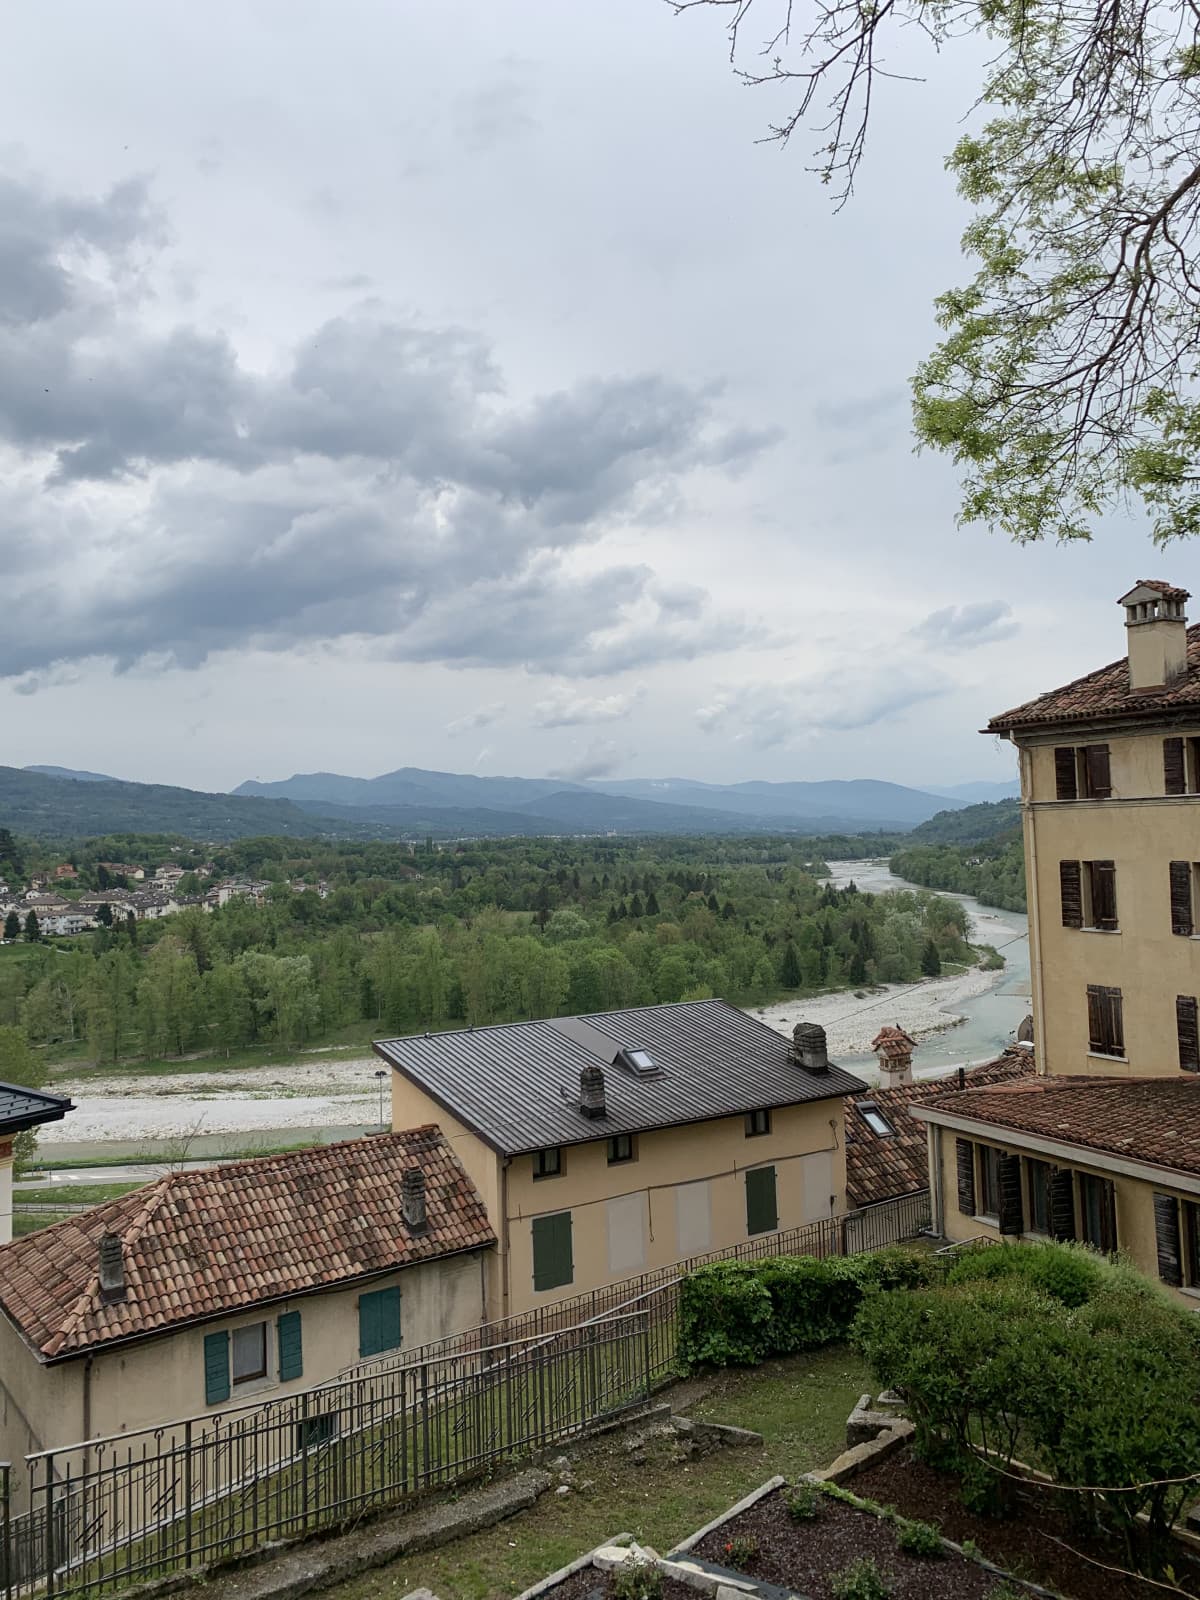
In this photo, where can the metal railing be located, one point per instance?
(205, 1489)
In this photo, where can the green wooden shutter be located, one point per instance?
(553, 1260)
(291, 1348)
(216, 1368)
(378, 1322)
(762, 1213)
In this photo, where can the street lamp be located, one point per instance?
(380, 1077)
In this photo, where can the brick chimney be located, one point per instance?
(809, 1049)
(894, 1050)
(1156, 626)
(412, 1199)
(591, 1092)
(112, 1269)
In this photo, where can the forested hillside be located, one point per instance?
(969, 825)
(993, 872)
(488, 933)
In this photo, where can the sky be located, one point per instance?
(471, 387)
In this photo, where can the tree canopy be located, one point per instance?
(1064, 384)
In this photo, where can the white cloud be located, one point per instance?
(967, 627)
(479, 718)
(836, 700)
(563, 707)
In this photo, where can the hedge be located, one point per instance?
(738, 1313)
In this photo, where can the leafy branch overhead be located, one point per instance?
(1065, 381)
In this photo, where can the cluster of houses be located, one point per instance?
(157, 896)
(535, 1161)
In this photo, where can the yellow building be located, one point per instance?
(609, 1145)
(1105, 1145)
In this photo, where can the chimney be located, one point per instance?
(1156, 626)
(412, 1199)
(591, 1092)
(894, 1050)
(112, 1269)
(809, 1049)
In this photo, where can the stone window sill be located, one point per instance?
(1099, 1055)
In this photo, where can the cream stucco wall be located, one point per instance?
(6, 1190)
(1142, 830)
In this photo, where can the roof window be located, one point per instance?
(875, 1119)
(640, 1062)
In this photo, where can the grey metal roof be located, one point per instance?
(26, 1108)
(517, 1084)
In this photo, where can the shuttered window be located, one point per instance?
(989, 1180)
(1188, 1031)
(291, 1349)
(553, 1262)
(1181, 898)
(1065, 786)
(964, 1158)
(1190, 1228)
(1106, 1027)
(216, 1368)
(1097, 774)
(1070, 885)
(1037, 1174)
(1174, 767)
(1009, 1210)
(1102, 877)
(1098, 1211)
(762, 1212)
(1166, 1239)
(1062, 1203)
(378, 1322)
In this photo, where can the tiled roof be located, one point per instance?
(1106, 693)
(27, 1108)
(882, 1166)
(200, 1244)
(893, 1043)
(1169, 591)
(517, 1085)
(1151, 1120)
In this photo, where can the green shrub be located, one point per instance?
(919, 1539)
(741, 1550)
(861, 1580)
(724, 1316)
(1071, 1274)
(636, 1580)
(803, 1504)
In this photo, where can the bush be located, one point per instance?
(803, 1504)
(861, 1580)
(636, 1580)
(738, 1313)
(919, 1539)
(1071, 1274)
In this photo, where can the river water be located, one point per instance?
(990, 1019)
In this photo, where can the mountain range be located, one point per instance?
(414, 801)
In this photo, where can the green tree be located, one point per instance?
(32, 931)
(789, 967)
(110, 999)
(18, 1063)
(12, 927)
(931, 961)
(168, 997)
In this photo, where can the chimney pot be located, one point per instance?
(112, 1269)
(1156, 628)
(809, 1049)
(412, 1199)
(894, 1049)
(592, 1101)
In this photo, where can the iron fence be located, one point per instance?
(205, 1489)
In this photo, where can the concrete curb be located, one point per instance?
(751, 1499)
(578, 1565)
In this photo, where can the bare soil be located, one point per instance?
(592, 1585)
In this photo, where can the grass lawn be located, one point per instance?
(89, 1194)
(72, 1062)
(799, 1406)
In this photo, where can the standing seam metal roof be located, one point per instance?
(508, 1082)
(22, 1108)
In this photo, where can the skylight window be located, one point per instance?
(642, 1060)
(875, 1120)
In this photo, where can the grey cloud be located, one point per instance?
(493, 113)
(378, 484)
(599, 759)
(479, 718)
(836, 700)
(967, 627)
(565, 707)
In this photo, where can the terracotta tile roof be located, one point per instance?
(1106, 693)
(199, 1244)
(882, 1166)
(1169, 591)
(893, 1043)
(1153, 1120)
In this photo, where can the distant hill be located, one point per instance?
(408, 786)
(70, 772)
(970, 824)
(869, 802)
(972, 793)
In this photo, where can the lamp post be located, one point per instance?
(380, 1078)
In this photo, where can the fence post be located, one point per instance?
(187, 1493)
(48, 1531)
(6, 1525)
(304, 1442)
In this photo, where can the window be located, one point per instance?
(757, 1122)
(1191, 1238)
(1189, 1034)
(249, 1349)
(1082, 772)
(762, 1211)
(1098, 1211)
(1037, 1175)
(1088, 894)
(875, 1119)
(641, 1060)
(1181, 766)
(1106, 1027)
(378, 1322)
(553, 1262)
(989, 1181)
(1182, 876)
(620, 1148)
(547, 1163)
(316, 1430)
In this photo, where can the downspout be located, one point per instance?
(1034, 914)
(506, 1266)
(934, 1147)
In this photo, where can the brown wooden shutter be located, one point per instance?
(1062, 1203)
(1114, 1022)
(1099, 775)
(1174, 768)
(1181, 898)
(1186, 1026)
(1095, 1005)
(964, 1154)
(1012, 1219)
(1064, 773)
(1108, 1215)
(1104, 895)
(1166, 1239)
(1071, 892)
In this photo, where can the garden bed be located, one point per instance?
(805, 1555)
(1023, 1544)
(591, 1584)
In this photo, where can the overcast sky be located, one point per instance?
(462, 386)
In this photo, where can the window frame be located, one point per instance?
(260, 1371)
(1091, 1186)
(987, 1193)
(1189, 1223)
(1037, 1197)
(1095, 871)
(1077, 771)
(761, 1114)
(544, 1167)
(614, 1158)
(1105, 1041)
(868, 1110)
